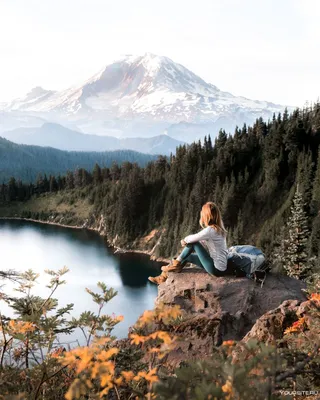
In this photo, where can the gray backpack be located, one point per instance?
(249, 261)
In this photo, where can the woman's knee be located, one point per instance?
(190, 246)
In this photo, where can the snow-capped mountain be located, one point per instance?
(143, 96)
(31, 100)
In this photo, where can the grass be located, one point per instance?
(50, 204)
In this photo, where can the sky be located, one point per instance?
(265, 50)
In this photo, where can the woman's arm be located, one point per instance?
(202, 235)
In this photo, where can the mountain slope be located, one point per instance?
(142, 96)
(26, 162)
(60, 137)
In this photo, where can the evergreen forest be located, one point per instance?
(26, 162)
(253, 174)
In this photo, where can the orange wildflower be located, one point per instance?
(315, 297)
(296, 326)
(229, 343)
(227, 388)
(106, 380)
(57, 352)
(137, 339)
(21, 327)
(148, 376)
(147, 317)
(128, 375)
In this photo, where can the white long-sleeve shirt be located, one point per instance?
(215, 243)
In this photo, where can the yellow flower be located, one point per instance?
(106, 379)
(148, 376)
(227, 388)
(137, 339)
(229, 343)
(151, 376)
(21, 327)
(165, 337)
(290, 330)
(84, 361)
(118, 381)
(147, 317)
(315, 297)
(104, 392)
(128, 375)
(119, 318)
(106, 355)
(100, 341)
(154, 350)
(57, 352)
(296, 326)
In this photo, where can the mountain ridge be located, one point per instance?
(143, 96)
(26, 162)
(60, 137)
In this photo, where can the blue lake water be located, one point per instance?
(26, 245)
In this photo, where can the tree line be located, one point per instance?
(25, 162)
(253, 175)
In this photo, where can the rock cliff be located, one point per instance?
(227, 308)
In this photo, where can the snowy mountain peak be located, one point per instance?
(149, 88)
(30, 100)
(38, 91)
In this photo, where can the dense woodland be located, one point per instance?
(26, 162)
(252, 174)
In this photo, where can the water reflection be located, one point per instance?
(25, 245)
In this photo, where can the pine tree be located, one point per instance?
(12, 189)
(315, 201)
(53, 184)
(97, 175)
(293, 254)
(305, 177)
(69, 180)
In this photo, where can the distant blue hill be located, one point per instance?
(27, 162)
(60, 137)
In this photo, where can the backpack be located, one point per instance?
(249, 261)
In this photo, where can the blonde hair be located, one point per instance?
(211, 216)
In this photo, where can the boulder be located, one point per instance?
(270, 326)
(226, 308)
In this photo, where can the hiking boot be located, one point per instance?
(174, 266)
(158, 279)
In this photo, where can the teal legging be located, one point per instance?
(201, 258)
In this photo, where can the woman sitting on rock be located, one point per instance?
(209, 246)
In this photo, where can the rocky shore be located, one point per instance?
(98, 226)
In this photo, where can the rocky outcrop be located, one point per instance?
(227, 308)
(270, 326)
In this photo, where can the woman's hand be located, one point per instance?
(183, 243)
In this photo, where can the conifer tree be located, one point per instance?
(97, 175)
(315, 201)
(293, 254)
(53, 184)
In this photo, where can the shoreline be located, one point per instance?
(115, 249)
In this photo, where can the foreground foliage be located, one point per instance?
(34, 365)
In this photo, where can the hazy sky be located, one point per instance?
(266, 49)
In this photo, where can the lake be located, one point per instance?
(25, 245)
